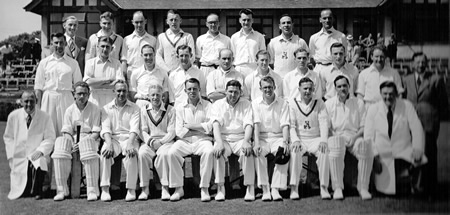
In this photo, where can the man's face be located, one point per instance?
(185, 57)
(121, 92)
(81, 95)
(59, 43)
(212, 22)
(28, 102)
(192, 90)
(302, 60)
(420, 64)
(338, 55)
(226, 59)
(388, 94)
(149, 56)
(342, 88)
(326, 18)
(263, 62)
(70, 27)
(267, 88)
(139, 23)
(286, 25)
(233, 93)
(246, 21)
(306, 90)
(155, 96)
(104, 48)
(174, 21)
(106, 24)
(378, 58)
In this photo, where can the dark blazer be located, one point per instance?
(430, 99)
(80, 50)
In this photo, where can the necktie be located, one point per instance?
(72, 47)
(419, 81)
(28, 120)
(390, 118)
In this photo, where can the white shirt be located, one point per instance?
(320, 43)
(370, 79)
(245, 46)
(281, 52)
(88, 118)
(291, 80)
(271, 117)
(346, 118)
(329, 73)
(132, 44)
(117, 46)
(188, 113)
(209, 46)
(57, 73)
(218, 79)
(312, 123)
(166, 54)
(109, 69)
(179, 76)
(252, 84)
(141, 78)
(160, 126)
(120, 121)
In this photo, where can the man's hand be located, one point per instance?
(352, 141)
(75, 147)
(218, 149)
(296, 147)
(156, 144)
(286, 147)
(36, 155)
(323, 147)
(130, 151)
(417, 155)
(108, 152)
(246, 148)
(257, 149)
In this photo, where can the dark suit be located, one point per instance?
(431, 103)
(80, 50)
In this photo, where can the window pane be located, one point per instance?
(80, 2)
(56, 2)
(231, 30)
(192, 30)
(419, 1)
(55, 17)
(231, 21)
(92, 2)
(189, 21)
(407, 1)
(92, 29)
(68, 2)
(93, 17)
(82, 30)
(102, 3)
(268, 32)
(80, 16)
(432, 1)
(256, 20)
(267, 21)
(56, 28)
(309, 21)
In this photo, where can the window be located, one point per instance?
(87, 23)
(56, 2)
(68, 2)
(80, 2)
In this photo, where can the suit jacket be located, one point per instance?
(429, 100)
(21, 142)
(80, 51)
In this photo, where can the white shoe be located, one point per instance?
(91, 196)
(337, 195)
(324, 193)
(276, 195)
(294, 193)
(131, 195)
(177, 195)
(144, 194)
(220, 196)
(59, 196)
(365, 195)
(204, 193)
(266, 193)
(250, 194)
(165, 195)
(105, 194)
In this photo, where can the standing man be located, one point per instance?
(353, 50)
(86, 115)
(106, 24)
(309, 133)
(232, 127)
(282, 48)
(320, 42)
(101, 72)
(169, 41)
(55, 76)
(184, 72)
(252, 81)
(339, 67)
(347, 118)
(76, 45)
(29, 137)
(132, 44)
(218, 79)
(290, 80)
(120, 130)
(142, 78)
(271, 121)
(427, 93)
(246, 43)
(369, 80)
(210, 44)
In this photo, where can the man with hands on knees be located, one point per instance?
(232, 128)
(120, 130)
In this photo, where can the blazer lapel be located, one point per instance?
(425, 84)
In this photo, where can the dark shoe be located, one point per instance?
(38, 197)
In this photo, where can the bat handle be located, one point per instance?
(78, 133)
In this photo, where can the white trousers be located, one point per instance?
(55, 104)
(206, 70)
(280, 172)
(146, 156)
(247, 164)
(162, 163)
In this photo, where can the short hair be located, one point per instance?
(233, 83)
(106, 15)
(339, 77)
(192, 81)
(267, 79)
(285, 15)
(326, 9)
(262, 52)
(382, 48)
(173, 11)
(337, 45)
(138, 13)
(147, 46)
(57, 35)
(184, 47)
(305, 80)
(80, 84)
(31, 92)
(224, 49)
(156, 86)
(121, 81)
(389, 84)
(246, 11)
(69, 17)
(301, 50)
(105, 39)
(211, 15)
(416, 54)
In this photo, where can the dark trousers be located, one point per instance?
(407, 177)
(430, 171)
(35, 178)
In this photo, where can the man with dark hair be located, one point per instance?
(232, 128)
(426, 91)
(76, 45)
(32, 128)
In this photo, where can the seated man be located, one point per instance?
(120, 130)
(309, 133)
(347, 118)
(86, 115)
(32, 128)
(271, 121)
(397, 137)
(232, 127)
(158, 131)
(192, 128)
